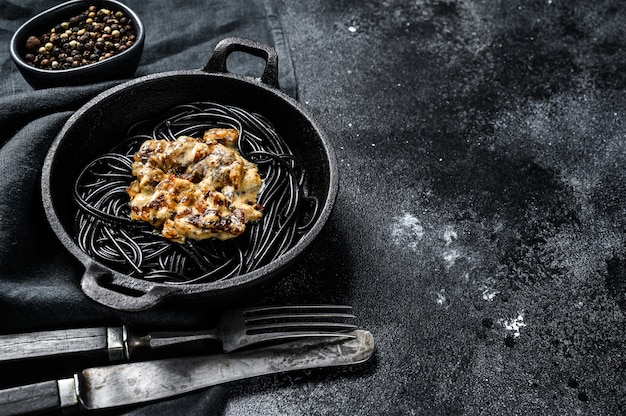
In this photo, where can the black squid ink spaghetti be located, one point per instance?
(106, 232)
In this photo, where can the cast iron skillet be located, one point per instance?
(103, 122)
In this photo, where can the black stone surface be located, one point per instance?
(479, 231)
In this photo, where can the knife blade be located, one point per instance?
(139, 382)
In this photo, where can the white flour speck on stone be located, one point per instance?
(407, 230)
(514, 325)
(449, 235)
(488, 293)
(450, 256)
(442, 299)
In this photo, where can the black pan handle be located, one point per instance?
(217, 61)
(103, 286)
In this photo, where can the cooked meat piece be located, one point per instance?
(195, 188)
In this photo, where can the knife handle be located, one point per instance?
(37, 397)
(65, 341)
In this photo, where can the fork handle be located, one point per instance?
(164, 339)
(115, 343)
(108, 341)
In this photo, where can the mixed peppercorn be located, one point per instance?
(91, 36)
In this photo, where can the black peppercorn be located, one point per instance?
(85, 38)
(33, 43)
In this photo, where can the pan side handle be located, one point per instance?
(106, 288)
(217, 61)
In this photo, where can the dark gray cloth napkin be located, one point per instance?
(39, 280)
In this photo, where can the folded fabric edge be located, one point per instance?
(286, 72)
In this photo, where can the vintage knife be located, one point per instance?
(138, 382)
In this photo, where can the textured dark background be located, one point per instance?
(482, 152)
(479, 229)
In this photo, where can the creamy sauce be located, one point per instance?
(195, 188)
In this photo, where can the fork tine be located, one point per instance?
(293, 317)
(277, 337)
(301, 327)
(299, 316)
(273, 324)
(292, 312)
(273, 310)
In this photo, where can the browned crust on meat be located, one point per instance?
(195, 188)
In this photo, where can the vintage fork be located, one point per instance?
(237, 329)
(240, 328)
